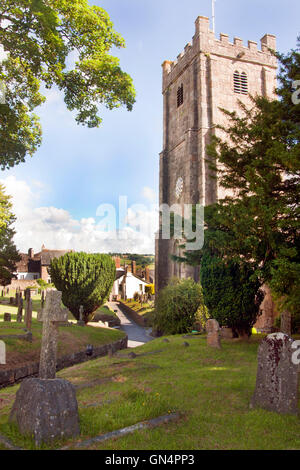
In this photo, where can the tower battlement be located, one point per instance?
(204, 41)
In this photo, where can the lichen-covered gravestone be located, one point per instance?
(213, 334)
(2, 353)
(47, 407)
(277, 376)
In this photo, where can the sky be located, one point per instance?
(56, 194)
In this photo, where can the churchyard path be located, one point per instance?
(137, 335)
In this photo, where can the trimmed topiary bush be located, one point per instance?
(230, 295)
(177, 307)
(84, 279)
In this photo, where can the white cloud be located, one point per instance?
(57, 229)
(149, 194)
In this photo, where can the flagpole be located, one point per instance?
(213, 16)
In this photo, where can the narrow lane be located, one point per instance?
(137, 335)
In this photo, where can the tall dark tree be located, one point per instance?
(39, 36)
(8, 252)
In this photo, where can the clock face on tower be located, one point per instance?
(179, 187)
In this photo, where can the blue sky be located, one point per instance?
(56, 193)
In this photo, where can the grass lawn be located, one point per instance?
(143, 310)
(71, 339)
(210, 388)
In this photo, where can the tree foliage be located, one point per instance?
(177, 307)
(84, 279)
(256, 156)
(42, 37)
(9, 255)
(231, 295)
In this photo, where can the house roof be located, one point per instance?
(47, 255)
(28, 265)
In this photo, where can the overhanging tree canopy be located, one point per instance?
(39, 36)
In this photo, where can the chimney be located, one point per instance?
(133, 267)
(117, 262)
(147, 275)
(30, 253)
(43, 247)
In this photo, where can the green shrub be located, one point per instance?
(84, 279)
(230, 295)
(177, 306)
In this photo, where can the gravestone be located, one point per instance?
(7, 317)
(80, 322)
(277, 376)
(28, 316)
(2, 353)
(46, 407)
(213, 334)
(11, 300)
(20, 310)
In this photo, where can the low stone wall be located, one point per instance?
(133, 315)
(12, 376)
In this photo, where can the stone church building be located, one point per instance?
(208, 75)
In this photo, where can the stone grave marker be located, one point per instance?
(46, 407)
(28, 314)
(7, 317)
(277, 376)
(80, 322)
(20, 310)
(213, 333)
(2, 353)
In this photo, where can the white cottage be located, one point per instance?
(126, 285)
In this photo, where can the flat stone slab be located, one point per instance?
(130, 429)
(46, 409)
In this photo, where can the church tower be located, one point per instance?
(208, 75)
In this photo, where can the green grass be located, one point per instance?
(71, 339)
(210, 388)
(143, 310)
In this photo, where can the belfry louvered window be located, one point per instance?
(244, 83)
(180, 96)
(240, 83)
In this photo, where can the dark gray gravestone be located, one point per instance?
(277, 376)
(47, 409)
(7, 317)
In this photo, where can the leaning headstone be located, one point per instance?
(277, 376)
(20, 310)
(2, 353)
(213, 333)
(7, 317)
(80, 322)
(46, 407)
